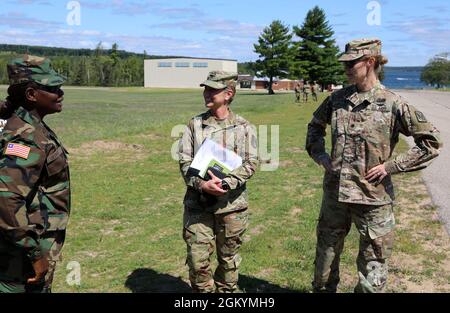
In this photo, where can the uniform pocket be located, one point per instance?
(338, 122)
(360, 154)
(56, 162)
(236, 223)
(198, 228)
(380, 222)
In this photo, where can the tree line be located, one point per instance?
(85, 67)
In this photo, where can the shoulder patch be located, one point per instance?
(18, 150)
(420, 117)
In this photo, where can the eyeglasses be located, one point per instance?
(350, 64)
(213, 90)
(50, 89)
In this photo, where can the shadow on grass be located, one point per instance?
(255, 285)
(147, 280)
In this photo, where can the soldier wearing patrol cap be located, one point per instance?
(215, 210)
(35, 185)
(366, 120)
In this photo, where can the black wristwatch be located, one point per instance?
(225, 185)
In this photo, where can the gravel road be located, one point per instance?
(436, 107)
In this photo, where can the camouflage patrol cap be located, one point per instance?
(356, 49)
(220, 80)
(29, 68)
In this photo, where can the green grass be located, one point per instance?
(126, 222)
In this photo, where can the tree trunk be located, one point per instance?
(270, 86)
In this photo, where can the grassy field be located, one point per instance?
(126, 222)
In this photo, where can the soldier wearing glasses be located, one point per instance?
(366, 120)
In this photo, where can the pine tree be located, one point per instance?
(315, 54)
(247, 68)
(98, 50)
(80, 72)
(115, 54)
(273, 49)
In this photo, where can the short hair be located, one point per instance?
(233, 89)
(380, 60)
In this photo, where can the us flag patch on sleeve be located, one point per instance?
(15, 149)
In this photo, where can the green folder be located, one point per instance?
(218, 169)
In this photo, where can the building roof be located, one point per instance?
(246, 77)
(275, 79)
(193, 58)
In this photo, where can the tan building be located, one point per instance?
(183, 72)
(282, 84)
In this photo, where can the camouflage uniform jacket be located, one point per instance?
(234, 133)
(5, 112)
(34, 191)
(365, 128)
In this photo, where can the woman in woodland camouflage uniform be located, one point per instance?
(34, 179)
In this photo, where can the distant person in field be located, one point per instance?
(366, 120)
(297, 92)
(215, 209)
(305, 91)
(35, 184)
(313, 88)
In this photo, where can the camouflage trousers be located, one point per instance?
(53, 242)
(205, 232)
(375, 225)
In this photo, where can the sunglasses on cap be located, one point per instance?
(50, 89)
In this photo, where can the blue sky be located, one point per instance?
(412, 31)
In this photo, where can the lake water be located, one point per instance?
(403, 78)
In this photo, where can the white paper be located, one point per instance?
(210, 151)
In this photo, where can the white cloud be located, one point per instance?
(86, 43)
(432, 32)
(28, 2)
(17, 19)
(144, 7)
(15, 32)
(217, 26)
